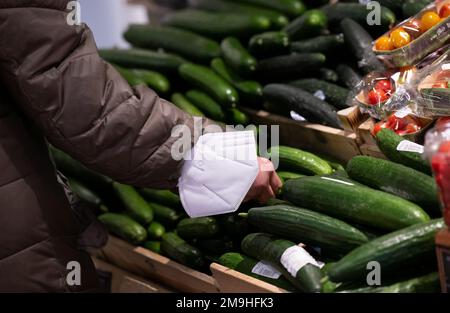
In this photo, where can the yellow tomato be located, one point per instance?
(428, 20)
(384, 43)
(400, 37)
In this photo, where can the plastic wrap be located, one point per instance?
(415, 38)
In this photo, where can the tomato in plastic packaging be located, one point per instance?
(377, 96)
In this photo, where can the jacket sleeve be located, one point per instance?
(80, 103)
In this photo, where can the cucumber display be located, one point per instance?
(269, 44)
(334, 94)
(198, 228)
(83, 192)
(137, 207)
(183, 42)
(124, 227)
(388, 142)
(184, 104)
(208, 81)
(406, 246)
(237, 57)
(353, 202)
(293, 65)
(396, 179)
(291, 8)
(165, 215)
(154, 80)
(155, 230)
(348, 76)
(283, 254)
(308, 227)
(145, 59)
(152, 245)
(261, 270)
(179, 250)
(300, 161)
(216, 246)
(310, 24)
(234, 226)
(218, 25)
(164, 197)
(132, 80)
(302, 102)
(322, 44)
(206, 104)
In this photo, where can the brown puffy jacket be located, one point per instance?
(54, 87)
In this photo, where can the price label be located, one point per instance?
(267, 270)
(409, 146)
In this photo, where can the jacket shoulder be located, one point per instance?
(49, 4)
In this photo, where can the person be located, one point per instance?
(55, 88)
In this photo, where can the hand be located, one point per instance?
(266, 185)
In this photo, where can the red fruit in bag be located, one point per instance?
(384, 85)
(377, 96)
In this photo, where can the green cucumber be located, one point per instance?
(206, 104)
(155, 230)
(179, 250)
(300, 161)
(154, 246)
(322, 44)
(392, 251)
(234, 226)
(165, 215)
(124, 227)
(184, 104)
(335, 95)
(388, 142)
(128, 75)
(277, 19)
(237, 57)
(291, 8)
(275, 201)
(145, 59)
(249, 89)
(412, 7)
(269, 44)
(328, 75)
(340, 198)
(198, 228)
(396, 179)
(310, 24)
(285, 176)
(269, 248)
(293, 65)
(360, 44)
(293, 98)
(218, 25)
(216, 246)
(157, 81)
(246, 265)
(134, 203)
(308, 227)
(237, 117)
(205, 79)
(84, 193)
(164, 197)
(183, 42)
(348, 76)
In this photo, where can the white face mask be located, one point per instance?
(222, 170)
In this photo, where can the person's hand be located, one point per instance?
(266, 185)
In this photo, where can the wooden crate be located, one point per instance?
(147, 264)
(443, 256)
(336, 143)
(231, 281)
(124, 282)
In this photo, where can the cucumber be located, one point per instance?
(84, 193)
(145, 59)
(277, 19)
(124, 227)
(269, 44)
(396, 179)
(237, 117)
(308, 227)
(348, 76)
(206, 104)
(179, 250)
(248, 89)
(164, 197)
(165, 215)
(155, 230)
(184, 104)
(302, 102)
(154, 246)
(293, 65)
(237, 57)
(290, 8)
(360, 43)
(335, 95)
(234, 226)
(412, 7)
(329, 75)
(300, 161)
(269, 248)
(393, 5)
(321, 44)
(218, 25)
(157, 81)
(198, 228)
(205, 79)
(246, 265)
(128, 75)
(285, 176)
(339, 198)
(216, 246)
(134, 203)
(406, 246)
(175, 40)
(275, 201)
(310, 24)
(388, 142)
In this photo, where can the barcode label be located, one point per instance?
(265, 269)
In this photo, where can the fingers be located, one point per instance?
(275, 183)
(266, 194)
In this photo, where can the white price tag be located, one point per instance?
(409, 146)
(294, 258)
(265, 269)
(445, 66)
(403, 112)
